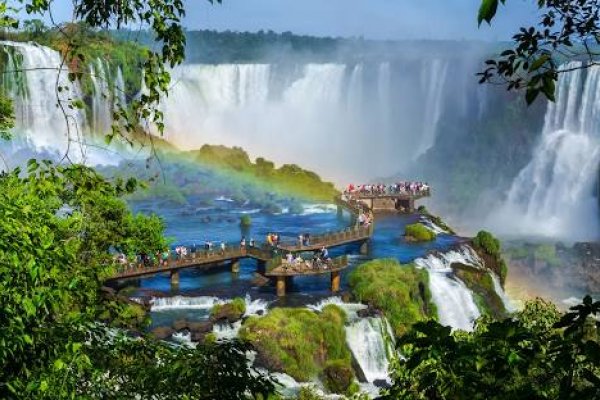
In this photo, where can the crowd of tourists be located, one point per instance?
(319, 260)
(381, 189)
(365, 219)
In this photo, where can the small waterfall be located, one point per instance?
(454, 301)
(102, 106)
(366, 338)
(120, 90)
(227, 331)
(356, 91)
(351, 309)
(555, 194)
(508, 304)
(182, 302)
(255, 307)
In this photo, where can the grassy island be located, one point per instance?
(303, 344)
(419, 233)
(400, 292)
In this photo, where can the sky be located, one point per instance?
(371, 19)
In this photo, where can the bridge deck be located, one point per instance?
(304, 269)
(335, 239)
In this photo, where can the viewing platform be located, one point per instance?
(401, 201)
(284, 272)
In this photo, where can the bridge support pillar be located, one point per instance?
(261, 266)
(335, 281)
(364, 248)
(235, 266)
(174, 279)
(281, 286)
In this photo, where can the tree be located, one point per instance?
(568, 30)
(537, 354)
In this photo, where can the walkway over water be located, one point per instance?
(386, 201)
(269, 258)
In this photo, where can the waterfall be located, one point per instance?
(102, 106)
(255, 307)
(40, 121)
(182, 302)
(227, 331)
(508, 304)
(366, 338)
(454, 301)
(351, 309)
(433, 78)
(555, 194)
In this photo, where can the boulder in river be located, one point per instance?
(162, 332)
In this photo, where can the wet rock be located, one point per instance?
(200, 327)
(180, 325)
(162, 332)
(226, 313)
(369, 312)
(381, 383)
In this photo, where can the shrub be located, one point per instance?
(245, 221)
(298, 341)
(401, 292)
(419, 233)
(232, 311)
(487, 242)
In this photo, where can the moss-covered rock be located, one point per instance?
(481, 284)
(418, 233)
(436, 220)
(229, 312)
(338, 376)
(489, 249)
(298, 341)
(400, 292)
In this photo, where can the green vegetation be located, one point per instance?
(419, 233)
(489, 248)
(286, 180)
(547, 253)
(245, 221)
(401, 292)
(481, 284)
(181, 179)
(59, 227)
(232, 311)
(536, 354)
(302, 343)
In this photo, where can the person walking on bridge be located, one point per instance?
(223, 248)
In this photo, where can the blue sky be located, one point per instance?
(376, 19)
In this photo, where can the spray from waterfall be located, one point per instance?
(556, 194)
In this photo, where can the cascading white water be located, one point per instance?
(508, 304)
(296, 113)
(366, 339)
(433, 78)
(351, 309)
(101, 105)
(454, 301)
(41, 123)
(555, 194)
(183, 302)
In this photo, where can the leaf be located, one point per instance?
(487, 11)
(537, 64)
(531, 95)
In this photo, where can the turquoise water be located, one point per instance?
(221, 223)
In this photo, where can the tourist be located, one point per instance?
(289, 258)
(307, 239)
(243, 243)
(223, 248)
(300, 240)
(252, 242)
(269, 239)
(324, 253)
(165, 257)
